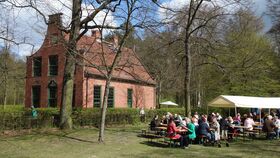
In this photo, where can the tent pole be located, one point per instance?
(235, 111)
(260, 115)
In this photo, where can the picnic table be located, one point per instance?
(245, 131)
(161, 128)
(163, 125)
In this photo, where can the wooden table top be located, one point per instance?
(161, 128)
(240, 127)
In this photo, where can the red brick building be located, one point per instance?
(131, 85)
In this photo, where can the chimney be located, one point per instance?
(115, 40)
(55, 19)
(54, 32)
(96, 34)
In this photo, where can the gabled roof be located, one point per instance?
(98, 54)
(246, 102)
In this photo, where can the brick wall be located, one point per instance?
(143, 96)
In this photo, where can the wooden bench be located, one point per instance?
(171, 141)
(202, 139)
(150, 135)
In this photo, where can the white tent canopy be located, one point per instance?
(245, 102)
(168, 103)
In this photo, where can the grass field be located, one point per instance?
(120, 142)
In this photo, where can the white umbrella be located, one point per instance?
(168, 103)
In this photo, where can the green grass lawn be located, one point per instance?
(120, 142)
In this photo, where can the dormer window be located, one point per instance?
(53, 65)
(37, 66)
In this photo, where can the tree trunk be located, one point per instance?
(68, 83)
(5, 91)
(103, 111)
(15, 95)
(159, 93)
(5, 80)
(66, 109)
(187, 77)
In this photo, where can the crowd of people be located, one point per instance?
(214, 127)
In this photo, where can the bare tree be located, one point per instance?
(196, 17)
(79, 26)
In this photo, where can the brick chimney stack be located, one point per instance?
(55, 19)
(115, 40)
(96, 34)
(54, 33)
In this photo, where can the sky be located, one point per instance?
(260, 8)
(31, 30)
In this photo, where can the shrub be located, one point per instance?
(18, 117)
(15, 118)
(114, 116)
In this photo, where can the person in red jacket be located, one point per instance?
(172, 132)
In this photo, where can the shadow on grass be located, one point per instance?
(63, 134)
(155, 144)
(79, 139)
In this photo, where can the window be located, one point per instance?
(53, 65)
(36, 91)
(110, 102)
(52, 96)
(37, 65)
(97, 96)
(129, 98)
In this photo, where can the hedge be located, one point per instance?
(20, 118)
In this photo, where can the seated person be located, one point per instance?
(177, 119)
(172, 131)
(191, 128)
(164, 120)
(248, 123)
(237, 119)
(204, 129)
(231, 129)
(154, 123)
(183, 122)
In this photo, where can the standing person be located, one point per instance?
(268, 127)
(196, 115)
(216, 127)
(219, 117)
(231, 130)
(277, 126)
(142, 114)
(33, 120)
(224, 128)
(34, 113)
